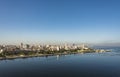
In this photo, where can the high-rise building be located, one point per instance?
(21, 45)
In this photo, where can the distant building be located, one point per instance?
(84, 47)
(21, 45)
(57, 48)
(27, 46)
(1, 50)
(66, 47)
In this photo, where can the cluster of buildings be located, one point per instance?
(27, 47)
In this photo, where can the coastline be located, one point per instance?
(41, 55)
(36, 55)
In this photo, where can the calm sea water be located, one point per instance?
(75, 65)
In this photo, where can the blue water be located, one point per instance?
(76, 65)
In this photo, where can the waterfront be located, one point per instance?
(14, 51)
(76, 65)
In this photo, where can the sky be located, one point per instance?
(55, 21)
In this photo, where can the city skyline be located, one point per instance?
(59, 21)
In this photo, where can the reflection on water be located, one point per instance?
(76, 65)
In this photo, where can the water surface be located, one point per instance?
(75, 65)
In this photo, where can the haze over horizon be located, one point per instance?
(54, 21)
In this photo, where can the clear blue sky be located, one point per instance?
(34, 21)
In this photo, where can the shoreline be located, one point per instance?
(37, 55)
(50, 54)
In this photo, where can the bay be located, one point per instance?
(75, 65)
